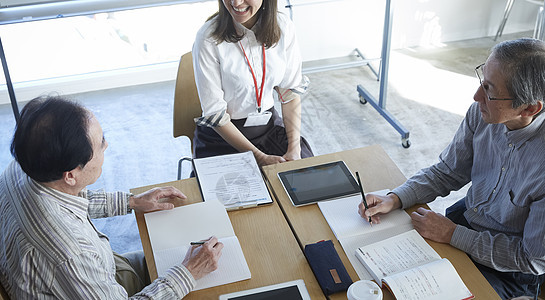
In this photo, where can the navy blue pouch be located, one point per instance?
(327, 267)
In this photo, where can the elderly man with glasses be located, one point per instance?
(500, 149)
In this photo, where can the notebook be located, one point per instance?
(171, 231)
(411, 269)
(352, 231)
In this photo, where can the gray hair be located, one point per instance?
(523, 62)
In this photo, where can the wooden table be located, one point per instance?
(377, 172)
(270, 248)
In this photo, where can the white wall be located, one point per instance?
(335, 28)
(330, 29)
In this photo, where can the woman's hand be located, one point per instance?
(294, 154)
(265, 159)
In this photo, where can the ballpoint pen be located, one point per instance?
(197, 243)
(363, 195)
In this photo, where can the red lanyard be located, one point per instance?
(260, 93)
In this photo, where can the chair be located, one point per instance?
(186, 104)
(538, 29)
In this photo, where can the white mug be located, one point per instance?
(364, 290)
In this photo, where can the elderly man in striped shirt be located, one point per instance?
(500, 149)
(49, 249)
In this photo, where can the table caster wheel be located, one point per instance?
(405, 143)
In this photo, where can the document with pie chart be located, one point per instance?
(232, 179)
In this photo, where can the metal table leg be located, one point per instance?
(8, 83)
(365, 95)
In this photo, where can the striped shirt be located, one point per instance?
(506, 200)
(50, 249)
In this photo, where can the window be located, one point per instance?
(81, 46)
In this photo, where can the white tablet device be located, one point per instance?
(316, 183)
(290, 290)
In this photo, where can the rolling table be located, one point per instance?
(364, 95)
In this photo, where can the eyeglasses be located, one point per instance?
(480, 75)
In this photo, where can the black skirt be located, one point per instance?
(270, 139)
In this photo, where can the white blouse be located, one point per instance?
(223, 77)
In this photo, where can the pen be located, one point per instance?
(197, 243)
(363, 195)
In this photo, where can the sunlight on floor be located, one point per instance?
(419, 81)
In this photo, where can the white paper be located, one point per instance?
(231, 265)
(435, 280)
(171, 231)
(234, 180)
(344, 220)
(352, 243)
(398, 253)
(184, 224)
(353, 231)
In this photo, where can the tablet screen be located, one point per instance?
(316, 183)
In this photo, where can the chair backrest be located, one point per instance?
(186, 99)
(3, 294)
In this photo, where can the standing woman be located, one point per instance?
(241, 54)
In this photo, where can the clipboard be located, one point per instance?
(235, 180)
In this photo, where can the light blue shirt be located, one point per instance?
(506, 200)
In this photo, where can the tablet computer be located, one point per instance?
(316, 183)
(290, 290)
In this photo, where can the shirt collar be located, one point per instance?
(77, 205)
(243, 30)
(520, 136)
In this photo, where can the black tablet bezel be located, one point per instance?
(293, 197)
(299, 284)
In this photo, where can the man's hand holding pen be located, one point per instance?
(378, 205)
(429, 224)
(202, 257)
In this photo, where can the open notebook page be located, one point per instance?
(396, 254)
(183, 224)
(171, 231)
(344, 220)
(353, 231)
(231, 266)
(435, 280)
(352, 243)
